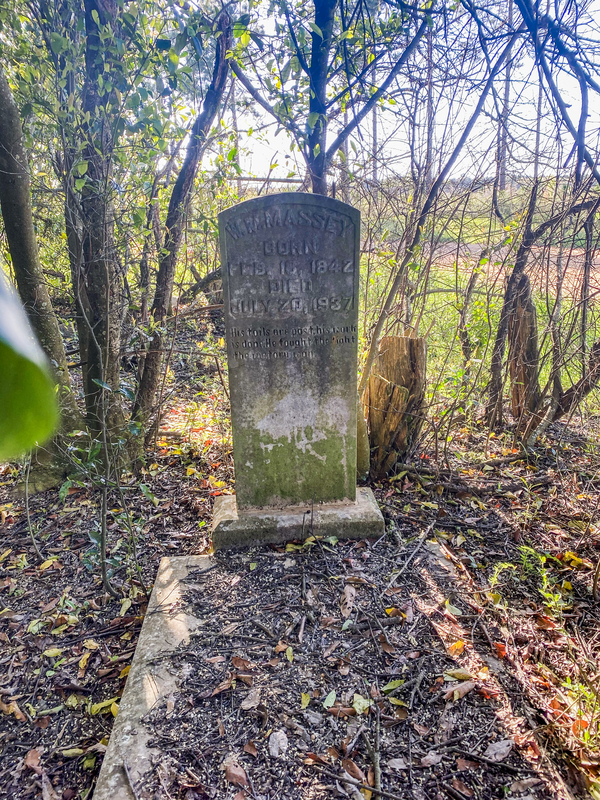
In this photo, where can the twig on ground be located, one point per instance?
(453, 792)
(29, 525)
(485, 760)
(418, 682)
(420, 544)
(222, 379)
(479, 622)
(359, 785)
(130, 780)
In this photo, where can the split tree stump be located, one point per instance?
(393, 401)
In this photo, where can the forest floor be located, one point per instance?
(457, 657)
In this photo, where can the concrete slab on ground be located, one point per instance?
(359, 520)
(166, 625)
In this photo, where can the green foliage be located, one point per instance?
(28, 409)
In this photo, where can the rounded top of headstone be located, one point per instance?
(257, 204)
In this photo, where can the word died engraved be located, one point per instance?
(290, 286)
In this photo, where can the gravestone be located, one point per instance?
(290, 268)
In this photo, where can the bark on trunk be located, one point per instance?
(394, 401)
(100, 271)
(316, 157)
(15, 201)
(523, 356)
(494, 407)
(176, 215)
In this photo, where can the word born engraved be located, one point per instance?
(291, 247)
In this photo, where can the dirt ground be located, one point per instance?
(456, 657)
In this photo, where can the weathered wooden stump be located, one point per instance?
(394, 401)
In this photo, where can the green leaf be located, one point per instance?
(315, 28)
(95, 16)
(360, 704)
(389, 687)
(28, 409)
(312, 119)
(99, 708)
(289, 654)
(79, 184)
(329, 700)
(102, 384)
(245, 38)
(58, 43)
(304, 700)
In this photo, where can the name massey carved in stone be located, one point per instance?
(280, 218)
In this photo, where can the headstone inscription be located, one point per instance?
(290, 268)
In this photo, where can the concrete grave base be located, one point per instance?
(129, 759)
(358, 520)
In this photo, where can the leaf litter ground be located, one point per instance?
(457, 657)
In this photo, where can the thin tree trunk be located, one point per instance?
(316, 156)
(585, 288)
(420, 226)
(176, 215)
(101, 275)
(15, 201)
(503, 124)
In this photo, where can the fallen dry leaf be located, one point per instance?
(342, 711)
(13, 708)
(242, 663)
(463, 764)
(347, 600)
(385, 645)
(252, 699)
(32, 760)
(48, 792)
(459, 674)
(497, 751)
(526, 783)
(353, 770)
(397, 763)
(431, 759)
(459, 690)
(462, 787)
(313, 758)
(234, 772)
(224, 685)
(250, 748)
